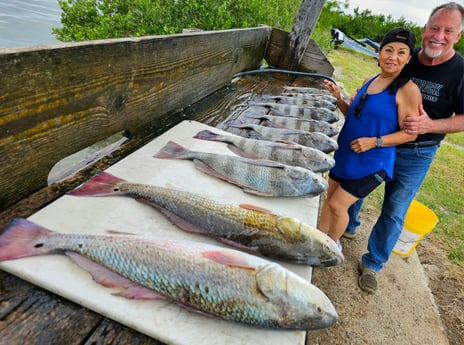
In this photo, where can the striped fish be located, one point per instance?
(255, 176)
(285, 153)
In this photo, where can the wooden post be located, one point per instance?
(301, 31)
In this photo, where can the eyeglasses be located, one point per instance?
(359, 107)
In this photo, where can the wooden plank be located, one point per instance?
(59, 100)
(30, 315)
(312, 61)
(299, 36)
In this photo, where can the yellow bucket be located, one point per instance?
(419, 221)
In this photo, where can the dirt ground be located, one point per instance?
(420, 298)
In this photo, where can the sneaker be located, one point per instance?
(349, 234)
(367, 281)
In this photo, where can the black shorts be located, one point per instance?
(361, 187)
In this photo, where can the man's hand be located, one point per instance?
(418, 124)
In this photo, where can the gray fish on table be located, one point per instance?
(310, 102)
(323, 96)
(302, 111)
(241, 225)
(308, 90)
(316, 140)
(308, 125)
(222, 283)
(286, 153)
(254, 176)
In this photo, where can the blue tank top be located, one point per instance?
(379, 116)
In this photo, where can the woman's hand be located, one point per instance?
(333, 89)
(363, 144)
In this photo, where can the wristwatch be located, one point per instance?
(379, 142)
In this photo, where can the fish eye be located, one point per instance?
(317, 309)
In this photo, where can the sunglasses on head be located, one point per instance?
(359, 107)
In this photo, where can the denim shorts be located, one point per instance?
(363, 186)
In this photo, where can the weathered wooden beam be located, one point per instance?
(312, 61)
(300, 34)
(57, 100)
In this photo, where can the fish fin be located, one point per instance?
(287, 142)
(110, 279)
(228, 258)
(207, 135)
(265, 163)
(178, 221)
(251, 115)
(102, 184)
(278, 112)
(137, 291)
(236, 244)
(240, 152)
(236, 124)
(255, 192)
(198, 311)
(172, 150)
(121, 233)
(289, 145)
(271, 124)
(202, 166)
(256, 209)
(21, 239)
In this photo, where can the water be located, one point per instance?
(28, 22)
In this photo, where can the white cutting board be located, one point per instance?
(161, 320)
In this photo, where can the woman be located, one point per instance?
(373, 126)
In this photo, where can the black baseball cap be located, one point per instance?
(402, 35)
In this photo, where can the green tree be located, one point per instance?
(97, 19)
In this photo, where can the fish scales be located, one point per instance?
(223, 218)
(261, 177)
(243, 225)
(316, 140)
(312, 101)
(286, 153)
(224, 283)
(307, 90)
(308, 125)
(323, 96)
(305, 112)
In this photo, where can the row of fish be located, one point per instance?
(228, 284)
(270, 174)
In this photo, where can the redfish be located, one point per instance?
(254, 176)
(241, 225)
(222, 283)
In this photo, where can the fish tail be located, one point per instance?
(20, 239)
(235, 124)
(173, 150)
(102, 184)
(207, 135)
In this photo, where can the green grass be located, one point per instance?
(443, 188)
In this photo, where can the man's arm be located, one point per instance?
(424, 124)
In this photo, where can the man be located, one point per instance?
(439, 72)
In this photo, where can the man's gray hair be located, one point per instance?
(449, 7)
